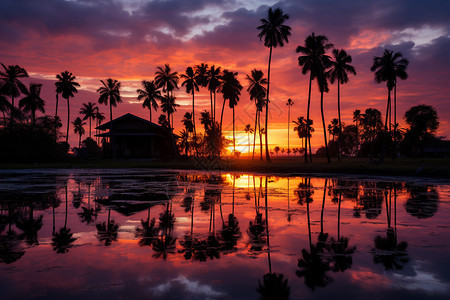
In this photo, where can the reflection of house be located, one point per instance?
(134, 137)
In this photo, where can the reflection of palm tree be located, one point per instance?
(387, 251)
(163, 246)
(107, 231)
(147, 233)
(9, 248)
(30, 227)
(63, 239)
(89, 214)
(274, 285)
(313, 267)
(423, 201)
(231, 232)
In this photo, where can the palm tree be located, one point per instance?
(89, 111)
(67, 86)
(213, 77)
(387, 68)
(248, 130)
(99, 116)
(166, 79)
(78, 128)
(169, 106)
(33, 101)
(323, 87)
(191, 86)
(10, 81)
(231, 90)
(312, 61)
(339, 69)
(110, 92)
(257, 92)
(150, 94)
(275, 33)
(289, 103)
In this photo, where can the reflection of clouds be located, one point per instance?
(184, 285)
(423, 280)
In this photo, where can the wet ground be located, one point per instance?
(159, 234)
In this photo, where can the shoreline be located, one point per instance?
(423, 167)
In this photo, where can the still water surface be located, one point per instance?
(158, 234)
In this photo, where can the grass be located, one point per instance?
(429, 167)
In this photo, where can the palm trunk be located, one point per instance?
(254, 135)
(260, 136)
(307, 121)
(323, 205)
(56, 112)
(193, 113)
(324, 128)
(68, 121)
(394, 150)
(267, 107)
(384, 139)
(112, 140)
(340, 124)
(79, 144)
(234, 138)
(212, 108)
(90, 128)
(289, 116)
(150, 110)
(339, 215)
(221, 115)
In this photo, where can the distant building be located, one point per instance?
(135, 137)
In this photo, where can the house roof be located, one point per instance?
(105, 126)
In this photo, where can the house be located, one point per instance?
(135, 137)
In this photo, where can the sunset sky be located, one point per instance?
(128, 39)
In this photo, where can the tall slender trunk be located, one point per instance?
(289, 116)
(254, 133)
(394, 150)
(79, 144)
(56, 113)
(324, 128)
(212, 108)
(385, 137)
(267, 228)
(267, 107)
(221, 115)
(234, 138)
(339, 116)
(323, 205)
(150, 110)
(193, 112)
(260, 137)
(111, 132)
(307, 120)
(90, 128)
(68, 121)
(339, 214)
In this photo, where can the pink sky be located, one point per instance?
(127, 40)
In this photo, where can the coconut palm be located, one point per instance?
(275, 34)
(150, 93)
(67, 86)
(338, 72)
(99, 117)
(312, 61)
(257, 92)
(213, 77)
(289, 103)
(248, 130)
(33, 101)
(231, 90)
(78, 128)
(10, 81)
(166, 79)
(323, 87)
(387, 68)
(110, 93)
(191, 86)
(169, 106)
(89, 111)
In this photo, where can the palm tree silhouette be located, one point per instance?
(11, 84)
(275, 34)
(32, 101)
(213, 77)
(169, 106)
(191, 86)
(231, 90)
(338, 72)
(99, 116)
(289, 103)
(89, 111)
(302, 131)
(257, 92)
(387, 68)
(150, 93)
(312, 61)
(248, 130)
(67, 86)
(110, 93)
(78, 128)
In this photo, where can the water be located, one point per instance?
(86, 234)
